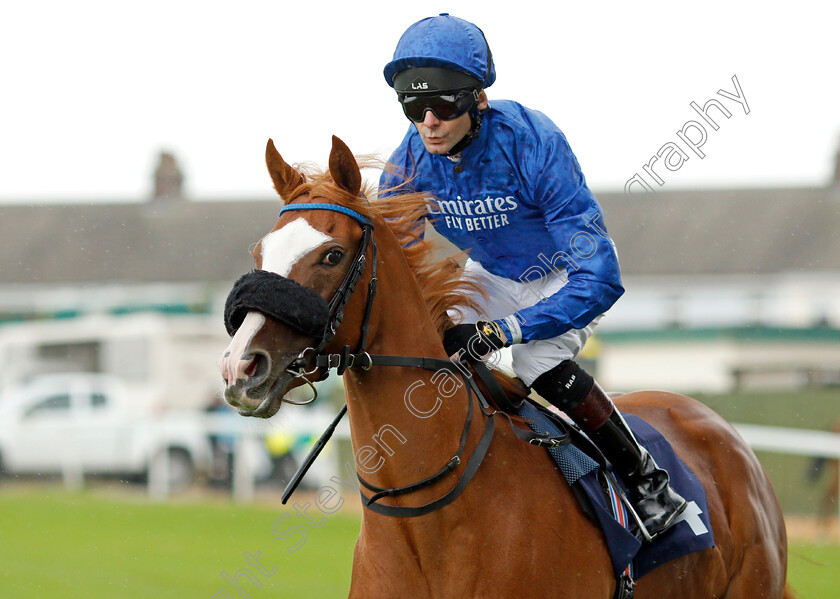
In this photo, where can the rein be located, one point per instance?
(341, 362)
(469, 470)
(312, 359)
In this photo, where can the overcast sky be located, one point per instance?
(93, 91)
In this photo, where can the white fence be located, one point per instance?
(805, 442)
(247, 438)
(793, 441)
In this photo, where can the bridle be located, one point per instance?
(313, 359)
(249, 293)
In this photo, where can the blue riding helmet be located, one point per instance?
(444, 42)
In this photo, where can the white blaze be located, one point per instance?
(233, 362)
(281, 249)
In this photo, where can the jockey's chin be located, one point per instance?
(438, 136)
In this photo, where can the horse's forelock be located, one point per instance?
(403, 212)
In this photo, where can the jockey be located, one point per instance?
(510, 191)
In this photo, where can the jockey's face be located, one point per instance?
(441, 136)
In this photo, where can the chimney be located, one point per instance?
(168, 179)
(835, 181)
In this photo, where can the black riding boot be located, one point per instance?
(573, 390)
(656, 503)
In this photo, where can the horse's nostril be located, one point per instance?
(251, 369)
(258, 368)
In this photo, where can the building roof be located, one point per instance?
(739, 231)
(727, 231)
(176, 241)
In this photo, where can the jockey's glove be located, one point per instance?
(474, 340)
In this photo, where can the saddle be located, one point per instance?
(602, 495)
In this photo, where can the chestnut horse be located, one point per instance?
(515, 529)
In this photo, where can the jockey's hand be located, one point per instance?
(475, 339)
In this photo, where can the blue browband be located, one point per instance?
(363, 220)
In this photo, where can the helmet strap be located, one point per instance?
(475, 120)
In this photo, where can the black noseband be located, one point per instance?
(299, 307)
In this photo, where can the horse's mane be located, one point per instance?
(437, 274)
(404, 212)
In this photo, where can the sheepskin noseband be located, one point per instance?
(280, 298)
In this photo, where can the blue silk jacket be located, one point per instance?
(518, 202)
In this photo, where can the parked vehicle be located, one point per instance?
(88, 423)
(166, 361)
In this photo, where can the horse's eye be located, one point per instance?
(333, 257)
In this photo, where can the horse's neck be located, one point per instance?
(406, 421)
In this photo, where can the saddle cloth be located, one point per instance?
(693, 531)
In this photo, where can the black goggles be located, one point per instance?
(444, 106)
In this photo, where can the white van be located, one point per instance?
(88, 423)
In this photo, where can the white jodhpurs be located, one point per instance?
(506, 297)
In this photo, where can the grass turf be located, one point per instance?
(68, 545)
(814, 570)
(57, 544)
(60, 545)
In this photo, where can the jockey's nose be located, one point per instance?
(429, 119)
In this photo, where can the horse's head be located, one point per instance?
(306, 267)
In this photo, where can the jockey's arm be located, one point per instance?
(582, 248)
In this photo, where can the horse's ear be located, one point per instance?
(343, 167)
(285, 178)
